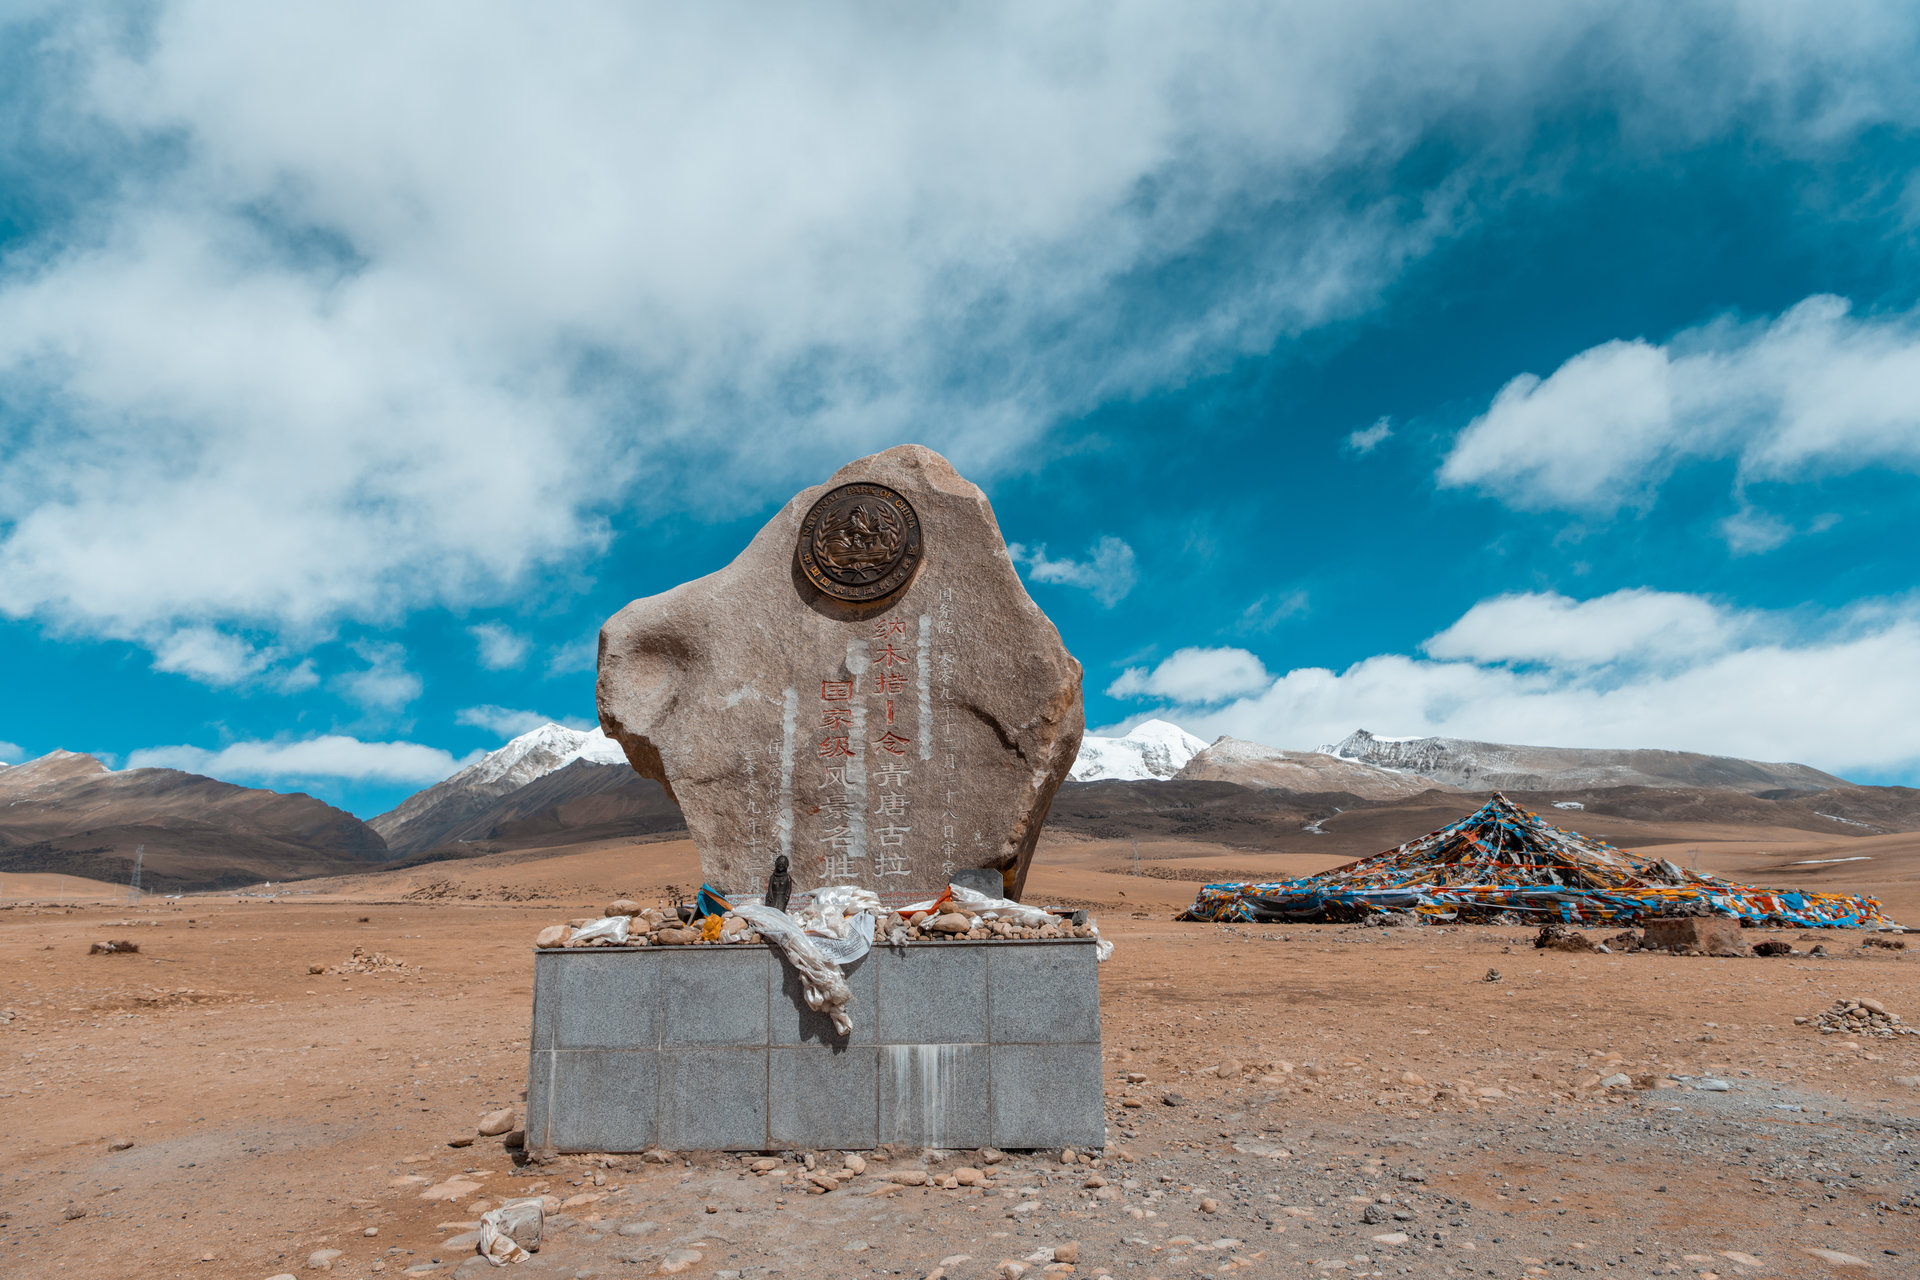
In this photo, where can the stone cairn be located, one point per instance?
(1859, 1017)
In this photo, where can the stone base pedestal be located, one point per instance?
(954, 1044)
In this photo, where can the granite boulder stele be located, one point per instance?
(867, 689)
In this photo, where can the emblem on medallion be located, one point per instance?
(860, 542)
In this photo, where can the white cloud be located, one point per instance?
(1749, 531)
(1367, 439)
(1107, 571)
(1816, 391)
(329, 756)
(1269, 611)
(385, 684)
(361, 307)
(209, 656)
(1840, 692)
(501, 649)
(12, 753)
(572, 659)
(1195, 676)
(1637, 626)
(509, 723)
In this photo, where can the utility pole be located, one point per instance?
(133, 888)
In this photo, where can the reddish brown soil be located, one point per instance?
(274, 1112)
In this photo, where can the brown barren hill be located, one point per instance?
(67, 813)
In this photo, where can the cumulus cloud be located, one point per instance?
(1841, 692)
(328, 756)
(501, 648)
(12, 753)
(385, 683)
(1367, 439)
(509, 723)
(337, 311)
(1816, 391)
(1639, 627)
(1195, 676)
(1108, 571)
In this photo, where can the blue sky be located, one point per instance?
(1534, 373)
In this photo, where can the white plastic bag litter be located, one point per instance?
(820, 977)
(509, 1232)
(613, 927)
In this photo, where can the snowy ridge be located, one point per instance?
(529, 757)
(1152, 751)
(1460, 762)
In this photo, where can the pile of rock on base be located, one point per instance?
(1859, 1017)
(647, 927)
(666, 927)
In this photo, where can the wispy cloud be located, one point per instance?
(1367, 439)
(501, 648)
(12, 753)
(385, 683)
(1108, 571)
(509, 723)
(330, 756)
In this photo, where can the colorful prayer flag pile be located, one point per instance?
(1501, 861)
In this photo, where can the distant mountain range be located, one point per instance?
(557, 786)
(68, 812)
(1364, 764)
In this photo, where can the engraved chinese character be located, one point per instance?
(892, 805)
(841, 838)
(836, 690)
(888, 656)
(890, 836)
(890, 864)
(836, 777)
(889, 682)
(887, 628)
(888, 773)
(892, 743)
(836, 717)
(831, 747)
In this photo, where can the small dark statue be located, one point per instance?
(779, 885)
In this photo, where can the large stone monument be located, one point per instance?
(867, 689)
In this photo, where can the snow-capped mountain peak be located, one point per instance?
(1153, 750)
(529, 757)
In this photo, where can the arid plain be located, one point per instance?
(1386, 1109)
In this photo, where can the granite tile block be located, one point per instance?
(935, 994)
(1047, 1095)
(605, 1001)
(1043, 994)
(539, 1098)
(604, 1100)
(792, 1022)
(935, 1095)
(713, 996)
(824, 1097)
(714, 1099)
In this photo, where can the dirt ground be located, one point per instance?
(1400, 1114)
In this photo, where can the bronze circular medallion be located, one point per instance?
(860, 542)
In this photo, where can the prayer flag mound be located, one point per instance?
(1501, 862)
